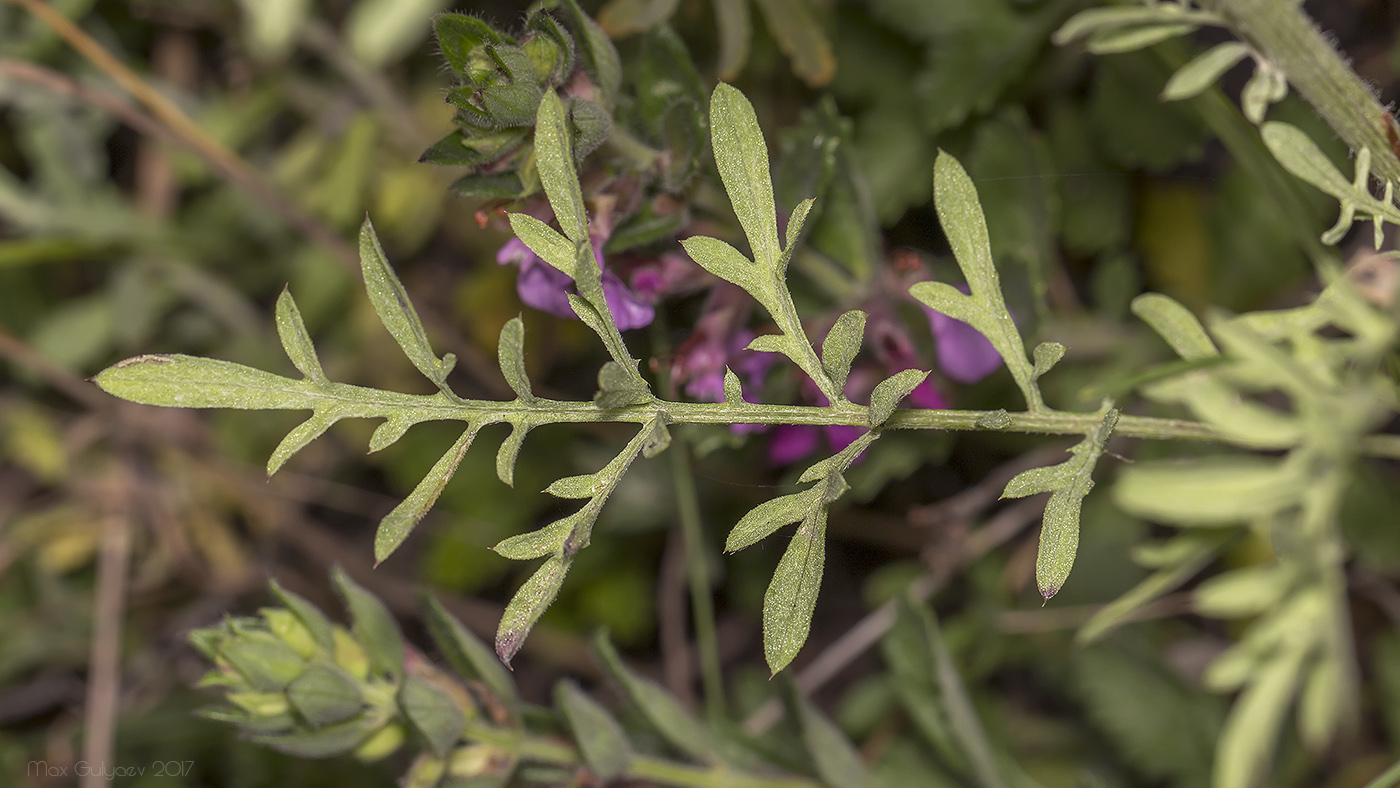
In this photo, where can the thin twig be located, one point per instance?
(108, 610)
(677, 670)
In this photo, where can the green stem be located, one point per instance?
(1283, 34)
(702, 604)
(538, 749)
(346, 401)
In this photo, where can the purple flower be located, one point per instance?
(963, 353)
(546, 288)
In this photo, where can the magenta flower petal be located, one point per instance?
(628, 310)
(516, 252)
(963, 353)
(545, 288)
(927, 396)
(789, 443)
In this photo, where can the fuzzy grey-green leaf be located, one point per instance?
(510, 352)
(390, 301)
(545, 242)
(529, 603)
(1209, 491)
(733, 389)
(767, 517)
(792, 594)
(727, 263)
(600, 738)
(177, 381)
(432, 713)
(890, 392)
(841, 345)
(397, 524)
(555, 161)
(539, 542)
(1175, 323)
(295, 340)
(297, 439)
(1196, 76)
(510, 452)
(742, 158)
(1047, 355)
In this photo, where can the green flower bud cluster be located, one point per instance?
(294, 681)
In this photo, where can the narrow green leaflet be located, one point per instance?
(1046, 355)
(600, 738)
(769, 516)
(509, 452)
(555, 160)
(729, 264)
(1175, 323)
(792, 594)
(1300, 155)
(1192, 552)
(390, 301)
(1099, 21)
(890, 392)
(295, 340)
(561, 541)
(510, 352)
(373, 625)
(529, 603)
(677, 726)
(545, 242)
(177, 381)
(396, 526)
(841, 345)
(1196, 76)
(1211, 491)
(1251, 732)
(298, 438)
(433, 714)
(1134, 37)
(742, 158)
(960, 213)
(465, 652)
(1069, 482)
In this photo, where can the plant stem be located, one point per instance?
(702, 605)
(347, 401)
(1283, 33)
(647, 768)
